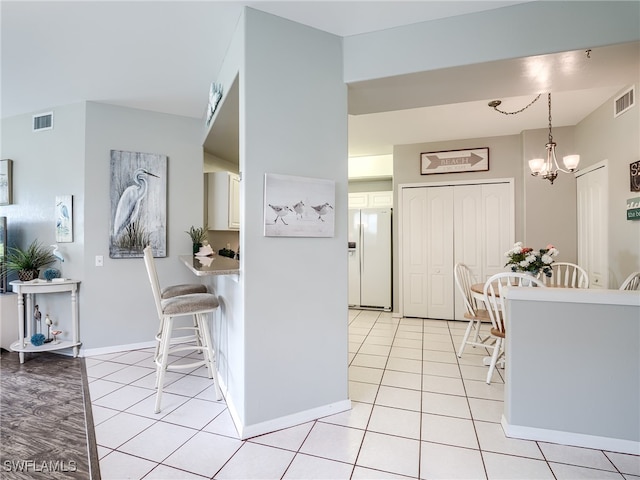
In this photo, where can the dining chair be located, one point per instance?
(199, 305)
(566, 275)
(495, 302)
(475, 310)
(632, 282)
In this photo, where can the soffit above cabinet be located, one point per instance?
(223, 137)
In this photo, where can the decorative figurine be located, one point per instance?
(37, 316)
(49, 322)
(55, 334)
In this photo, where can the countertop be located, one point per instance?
(218, 265)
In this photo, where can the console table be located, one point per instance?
(26, 291)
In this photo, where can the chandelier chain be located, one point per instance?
(550, 136)
(517, 111)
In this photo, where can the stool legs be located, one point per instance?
(210, 353)
(203, 344)
(161, 363)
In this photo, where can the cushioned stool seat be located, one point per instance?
(182, 289)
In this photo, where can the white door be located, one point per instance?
(440, 252)
(499, 228)
(471, 224)
(593, 227)
(414, 252)
(483, 231)
(468, 230)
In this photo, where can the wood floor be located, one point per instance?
(46, 426)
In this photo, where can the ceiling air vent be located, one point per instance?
(624, 102)
(43, 121)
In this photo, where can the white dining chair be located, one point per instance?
(475, 310)
(566, 275)
(198, 305)
(495, 301)
(632, 282)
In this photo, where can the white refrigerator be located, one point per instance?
(370, 258)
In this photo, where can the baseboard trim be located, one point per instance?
(249, 431)
(570, 438)
(92, 352)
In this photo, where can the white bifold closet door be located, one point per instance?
(593, 226)
(443, 225)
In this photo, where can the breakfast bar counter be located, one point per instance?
(214, 265)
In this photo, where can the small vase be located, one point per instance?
(196, 247)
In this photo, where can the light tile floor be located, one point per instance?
(418, 412)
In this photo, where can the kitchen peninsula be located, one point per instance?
(214, 265)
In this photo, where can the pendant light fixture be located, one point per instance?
(545, 168)
(548, 168)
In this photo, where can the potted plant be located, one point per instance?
(198, 236)
(28, 262)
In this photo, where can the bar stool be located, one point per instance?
(200, 305)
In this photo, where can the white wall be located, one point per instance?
(549, 210)
(293, 121)
(482, 37)
(46, 164)
(116, 304)
(600, 137)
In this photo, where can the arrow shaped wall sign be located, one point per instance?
(454, 161)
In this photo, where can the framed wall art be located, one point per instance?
(6, 182)
(138, 204)
(634, 176)
(64, 218)
(298, 206)
(455, 161)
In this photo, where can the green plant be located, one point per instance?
(34, 257)
(197, 234)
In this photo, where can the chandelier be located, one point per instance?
(548, 168)
(540, 167)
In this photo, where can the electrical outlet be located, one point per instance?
(99, 260)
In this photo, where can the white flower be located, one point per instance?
(531, 258)
(547, 259)
(553, 252)
(524, 264)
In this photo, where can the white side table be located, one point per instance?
(34, 287)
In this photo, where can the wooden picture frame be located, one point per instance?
(455, 161)
(6, 182)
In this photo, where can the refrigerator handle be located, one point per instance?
(360, 239)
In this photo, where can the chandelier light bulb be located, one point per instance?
(571, 162)
(536, 165)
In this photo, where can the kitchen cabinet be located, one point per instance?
(371, 199)
(224, 201)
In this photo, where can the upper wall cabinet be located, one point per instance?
(224, 201)
(370, 199)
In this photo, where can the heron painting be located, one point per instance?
(64, 218)
(138, 204)
(308, 204)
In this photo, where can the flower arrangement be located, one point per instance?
(526, 259)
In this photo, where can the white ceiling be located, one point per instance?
(162, 56)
